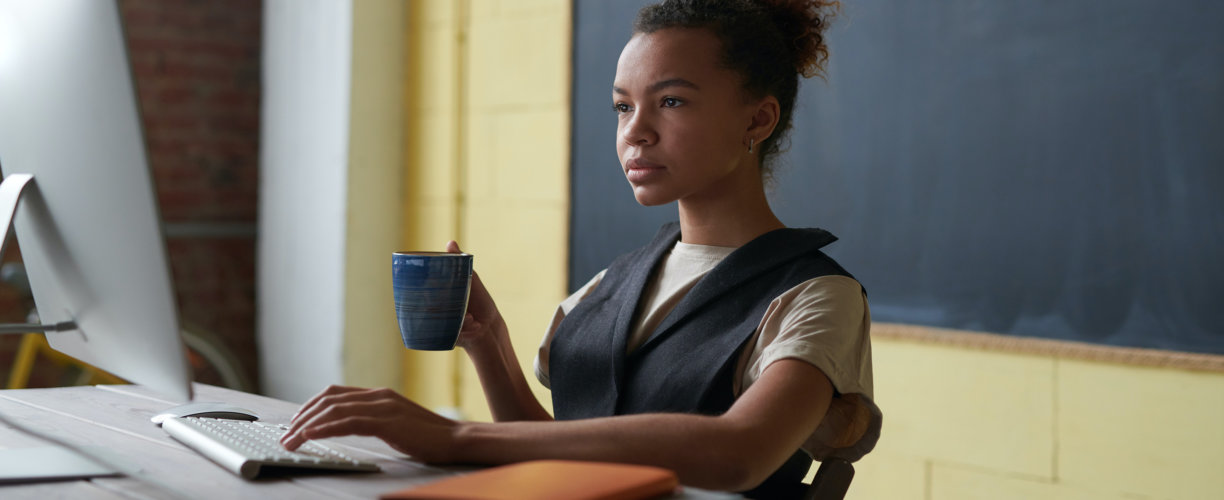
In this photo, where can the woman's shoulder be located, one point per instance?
(832, 286)
(818, 304)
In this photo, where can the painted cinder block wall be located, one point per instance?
(487, 164)
(486, 159)
(964, 423)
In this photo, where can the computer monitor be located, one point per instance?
(87, 224)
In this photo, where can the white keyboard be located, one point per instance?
(244, 447)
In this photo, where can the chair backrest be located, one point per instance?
(831, 481)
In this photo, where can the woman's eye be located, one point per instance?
(671, 102)
(620, 107)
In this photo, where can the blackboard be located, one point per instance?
(1034, 168)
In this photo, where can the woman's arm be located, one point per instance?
(735, 451)
(486, 340)
(505, 387)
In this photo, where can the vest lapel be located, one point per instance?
(635, 284)
(757, 256)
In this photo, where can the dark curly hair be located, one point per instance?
(770, 43)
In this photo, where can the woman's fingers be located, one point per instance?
(350, 426)
(470, 323)
(339, 418)
(481, 311)
(314, 401)
(421, 440)
(381, 413)
(478, 290)
(453, 247)
(329, 398)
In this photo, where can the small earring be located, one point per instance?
(750, 141)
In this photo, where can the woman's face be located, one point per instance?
(683, 121)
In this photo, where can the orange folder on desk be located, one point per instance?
(549, 480)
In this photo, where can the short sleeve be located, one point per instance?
(826, 322)
(567, 305)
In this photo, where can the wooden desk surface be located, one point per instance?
(116, 418)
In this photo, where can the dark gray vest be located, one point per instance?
(688, 363)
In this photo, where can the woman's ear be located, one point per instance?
(766, 113)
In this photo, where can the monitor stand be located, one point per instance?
(42, 463)
(10, 194)
(48, 463)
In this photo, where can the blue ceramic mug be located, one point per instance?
(431, 294)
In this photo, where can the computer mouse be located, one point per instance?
(207, 410)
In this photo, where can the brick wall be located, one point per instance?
(196, 65)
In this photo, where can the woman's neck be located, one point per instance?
(730, 218)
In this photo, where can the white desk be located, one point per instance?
(117, 418)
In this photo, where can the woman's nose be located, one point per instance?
(638, 130)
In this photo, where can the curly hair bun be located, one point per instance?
(803, 23)
(769, 43)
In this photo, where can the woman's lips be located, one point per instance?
(638, 170)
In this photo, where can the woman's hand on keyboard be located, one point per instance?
(382, 413)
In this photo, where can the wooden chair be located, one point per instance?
(832, 480)
(34, 345)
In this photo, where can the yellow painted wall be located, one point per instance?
(488, 165)
(376, 130)
(962, 423)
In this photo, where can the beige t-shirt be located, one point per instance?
(824, 321)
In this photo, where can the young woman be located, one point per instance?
(730, 349)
